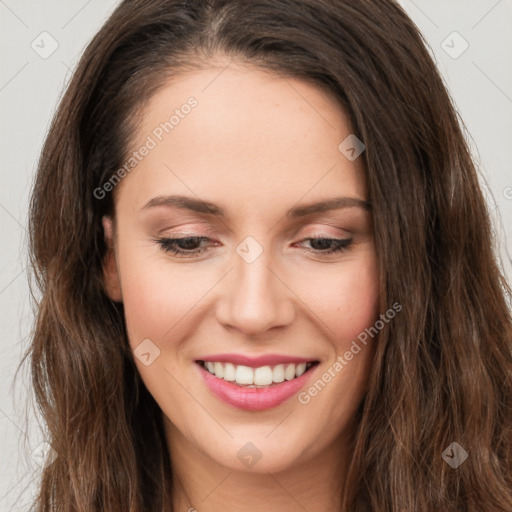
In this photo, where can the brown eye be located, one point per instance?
(328, 245)
(182, 246)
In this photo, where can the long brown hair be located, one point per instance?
(443, 368)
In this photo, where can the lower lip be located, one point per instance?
(254, 399)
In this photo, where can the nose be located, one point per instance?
(255, 297)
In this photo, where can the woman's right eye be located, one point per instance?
(182, 247)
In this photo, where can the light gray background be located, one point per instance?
(480, 81)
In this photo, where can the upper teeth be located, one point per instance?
(262, 376)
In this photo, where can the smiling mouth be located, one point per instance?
(260, 377)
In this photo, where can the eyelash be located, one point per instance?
(168, 245)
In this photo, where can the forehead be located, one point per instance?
(260, 139)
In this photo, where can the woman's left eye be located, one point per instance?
(329, 245)
(191, 246)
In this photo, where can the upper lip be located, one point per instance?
(255, 362)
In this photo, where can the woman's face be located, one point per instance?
(257, 292)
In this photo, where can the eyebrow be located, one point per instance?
(208, 208)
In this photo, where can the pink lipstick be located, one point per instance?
(255, 383)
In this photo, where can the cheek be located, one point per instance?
(358, 302)
(157, 297)
(345, 300)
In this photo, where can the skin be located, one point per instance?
(256, 145)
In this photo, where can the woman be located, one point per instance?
(268, 281)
